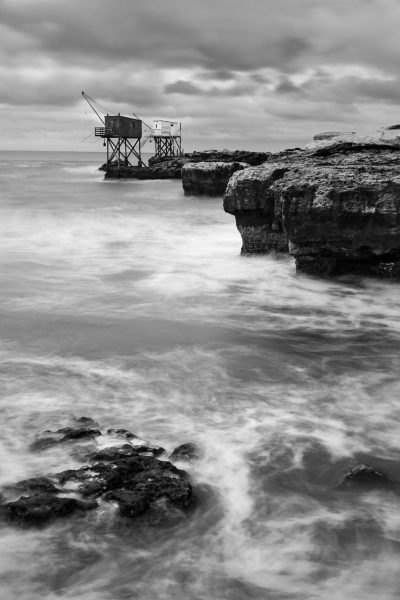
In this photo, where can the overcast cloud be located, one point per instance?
(257, 74)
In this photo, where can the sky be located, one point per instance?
(248, 74)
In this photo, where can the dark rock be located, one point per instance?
(154, 450)
(35, 485)
(42, 508)
(208, 178)
(98, 478)
(93, 480)
(74, 434)
(47, 438)
(122, 433)
(86, 422)
(187, 451)
(338, 205)
(130, 502)
(170, 167)
(227, 156)
(114, 453)
(146, 487)
(130, 475)
(144, 477)
(367, 478)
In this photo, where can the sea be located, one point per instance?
(129, 302)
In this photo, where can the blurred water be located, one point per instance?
(127, 302)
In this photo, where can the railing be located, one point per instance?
(105, 132)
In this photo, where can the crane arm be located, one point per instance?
(90, 101)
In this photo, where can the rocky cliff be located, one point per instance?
(208, 178)
(335, 206)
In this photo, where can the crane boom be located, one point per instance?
(90, 101)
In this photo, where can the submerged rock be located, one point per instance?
(187, 451)
(126, 451)
(48, 438)
(42, 508)
(35, 485)
(336, 207)
(129, 475)
(367, 478)
(100, 477)
(144, 488)
(134, 483)
(122, 433)
(86, 422)
(208, 178)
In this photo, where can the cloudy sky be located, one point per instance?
(255, 74)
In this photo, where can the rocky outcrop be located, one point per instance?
(129, 475)
(337, 205)
(168, 167)
(250, 197)
(365, 477)
(187, 451)
(48, 438)
(208, 178)
(41, 509)
(245, 156)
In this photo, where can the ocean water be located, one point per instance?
(128, 302)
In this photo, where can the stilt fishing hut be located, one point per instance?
(122, 136)
(167, 138)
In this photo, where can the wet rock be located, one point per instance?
(90, 480)
(35, 485)
(114, 453)
(76, 434)
(154, 450)
(121, 433)
(146, 487)
(336, 207)
(98, 478)
(129, 474)
(48, 438)
(86, 422)
(42, 508)
(170, 167)
(187, 451)
(366, 477)
(208, 178)
(130, 502)
(145, 477)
